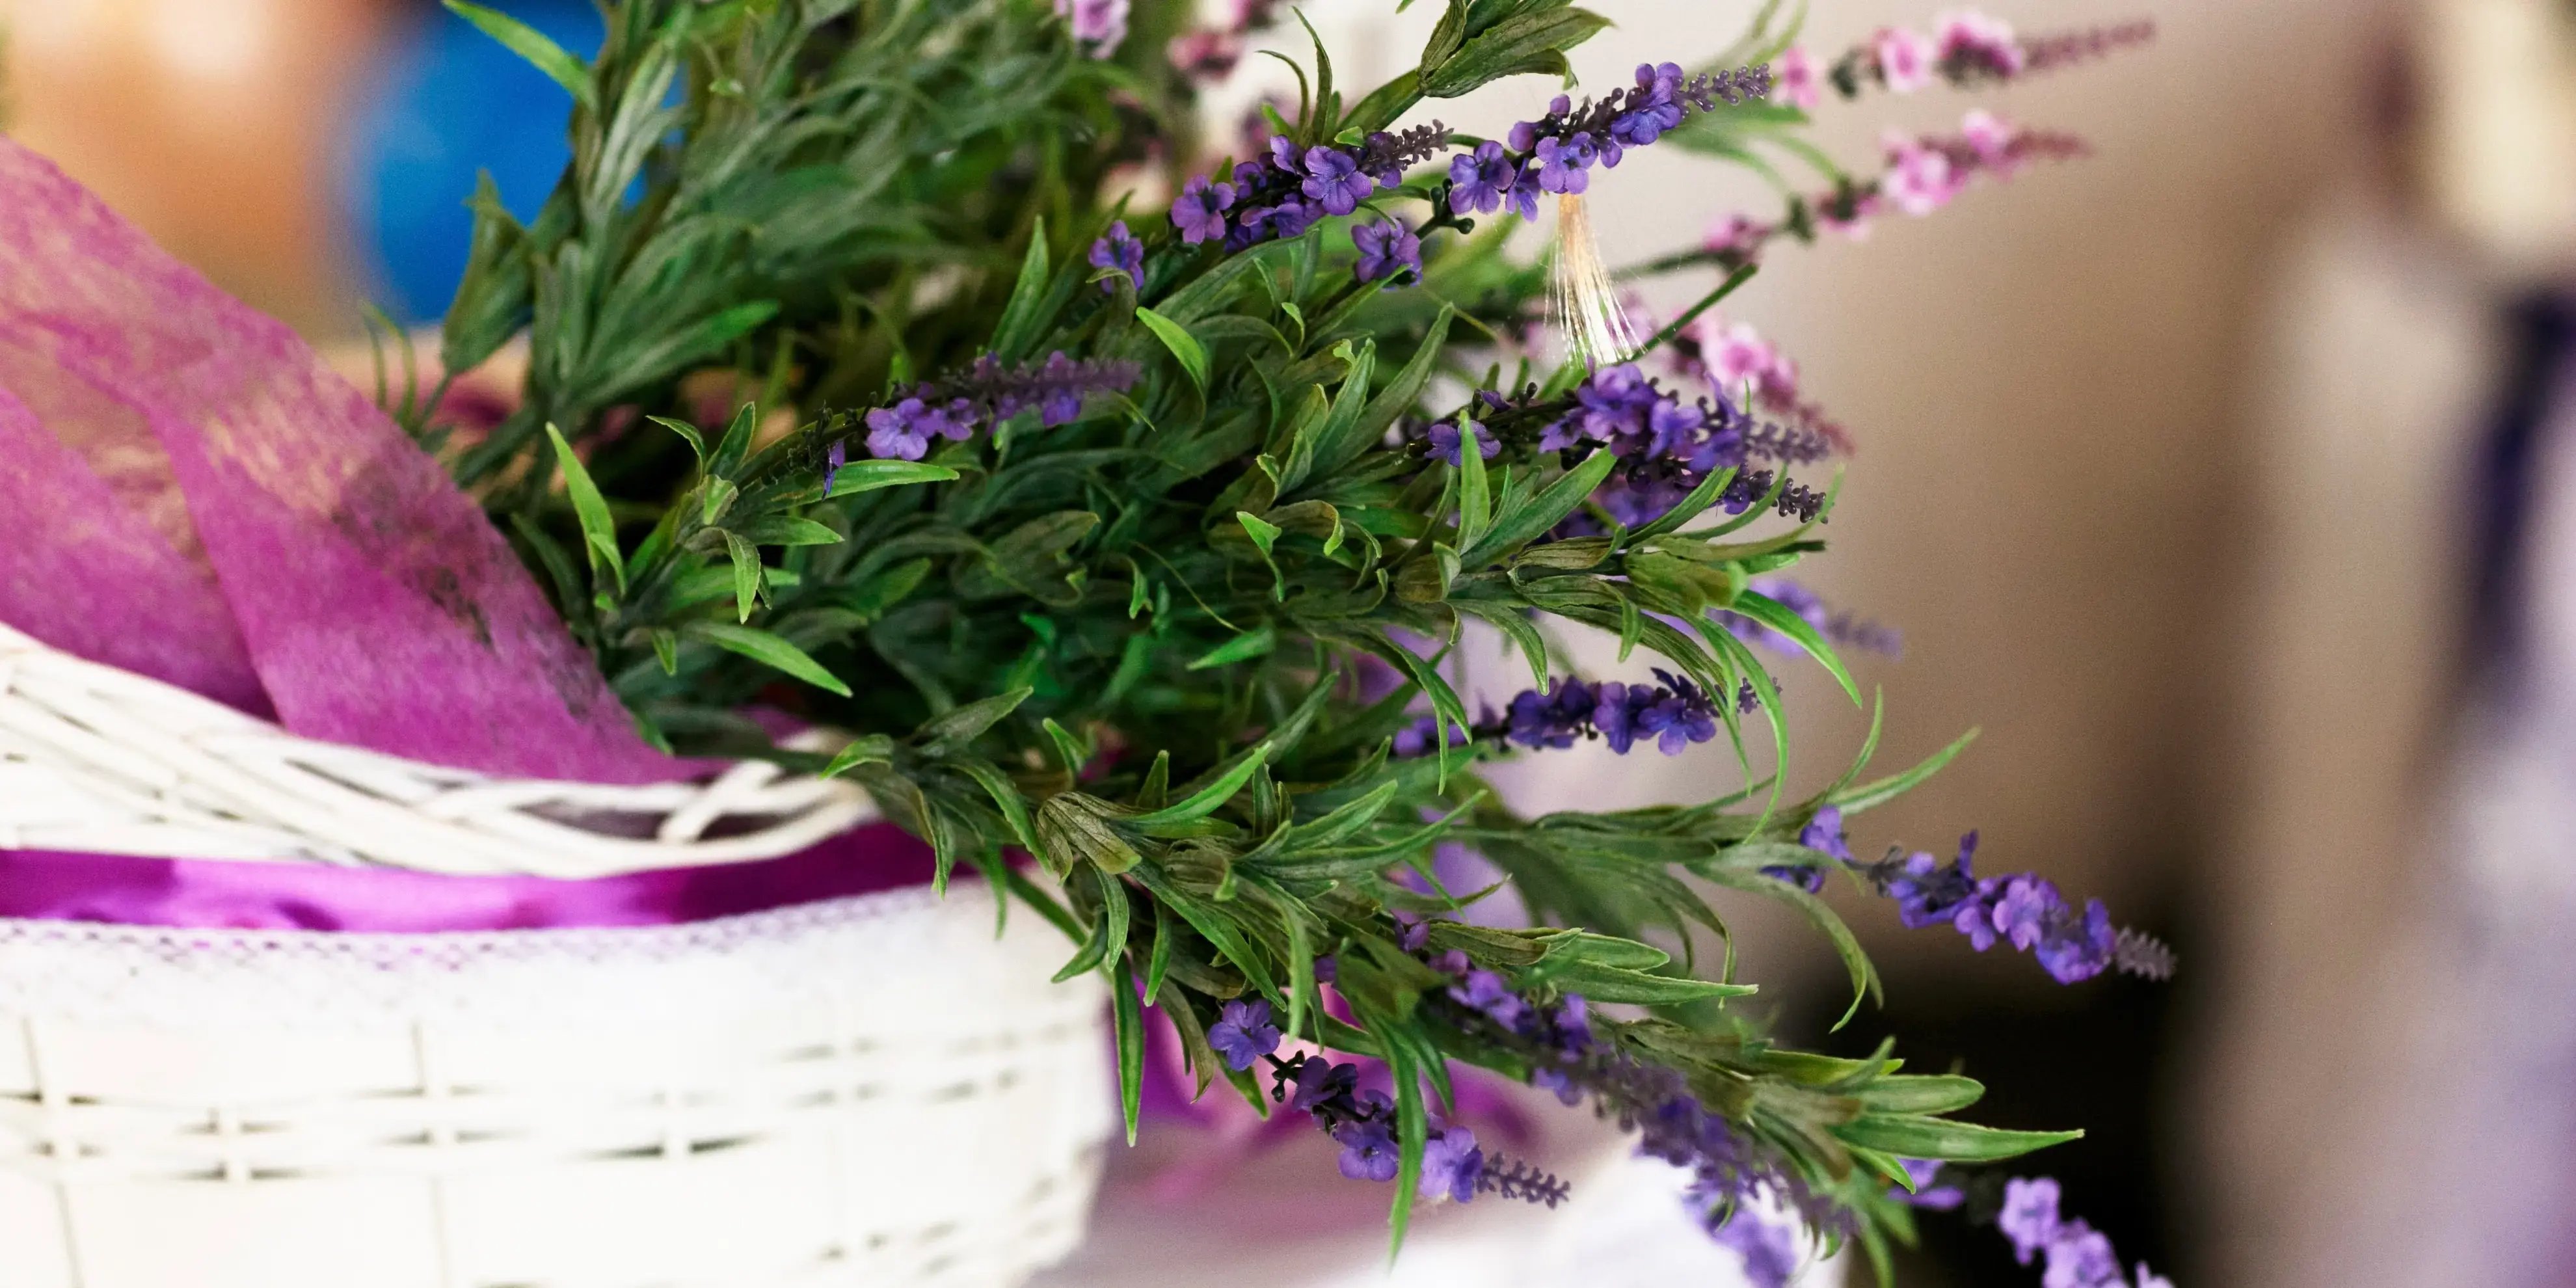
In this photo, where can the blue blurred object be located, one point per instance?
(449, 101)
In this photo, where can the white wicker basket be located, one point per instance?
(870, 1090)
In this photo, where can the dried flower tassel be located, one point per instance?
(1596, 330)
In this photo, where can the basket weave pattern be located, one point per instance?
(872, 1090)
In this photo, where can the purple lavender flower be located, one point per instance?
(1926, 1195)
(1321, 1082)
(1615, 715)
(1327, 969)
(1651, 108)
(1200, 210)
(1824, 833)
(1614, 402)
(1122, 252)
(833, 460)
(1417, 739)
(1809, 879)
(1552, 719)
(2029, 1216)
(903, 431)
(1445, 444)
(1290, 218)
(1573, 1023)
(2150, 1279)
(2025, 908)
(1564, 164)
(2081, 1257)
(1388, 248)
(1975, 919)
(1522, 199)
(1334, 181)
(1484, 991)
(1452, 1165)
(1101, 25)
(992, 392)
(1243, 1033)
(1558, 1082)
(2074, 951)
(1479, 181)
(1368, 1150)
(1412, 934)
(1680, 717)
(1770, 1252)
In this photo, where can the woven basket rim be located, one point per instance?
(105, 760)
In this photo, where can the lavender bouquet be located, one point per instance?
(1133, 547)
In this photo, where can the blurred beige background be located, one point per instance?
(2150, 479)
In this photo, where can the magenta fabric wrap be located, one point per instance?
(52, 885)
(186, 492)
(209, 505)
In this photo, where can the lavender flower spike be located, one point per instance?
(1119, 251)
(1243, 1033)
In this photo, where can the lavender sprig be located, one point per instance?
(1556, 153)
(986, 394)
(1363, 1122)
(2024, 909)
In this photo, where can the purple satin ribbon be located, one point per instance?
(56, 885)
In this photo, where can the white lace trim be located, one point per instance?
(791, 956)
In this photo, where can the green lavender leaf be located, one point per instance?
(1913, 1136)
(769, 650)
(868, 476)
(530, 44)
(1185, 347)
(598, 530)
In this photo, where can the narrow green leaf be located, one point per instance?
(697, 442)
(1475, 496)
(964, 724)
(1412, 1130)
(1068, 750)
(769, 650)
(1544, 511)
(1864, 976)
(1869, 795)
(1185, 347)
(1158, 960)
(598, 530)
(1094, 951)
(1006, 798)
(530, 44)
(746, 574)
(1921, 1094)
(1509, 620)
(876, 748)
(1776, 615)
(1910, 1136)
(1129, 1021)
(1205, 801)
(1242, 648)
(1019, 323)
(868, 476)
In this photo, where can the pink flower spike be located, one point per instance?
(1919, 180)
(1968, 39)
(1801, 81)
(1988, 133)
(1740, 357)
(1731, 234)
(1905, 59)
(1857, 226)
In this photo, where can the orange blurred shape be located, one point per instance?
(209, 123)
